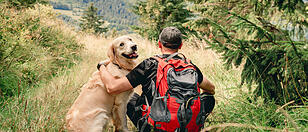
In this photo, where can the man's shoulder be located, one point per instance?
(150, 60)
(147, 63)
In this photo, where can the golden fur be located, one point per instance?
(94, 107)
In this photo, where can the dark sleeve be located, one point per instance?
(200, 75)
(138, 74)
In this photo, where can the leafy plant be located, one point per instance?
(268, 42)
(31, 51)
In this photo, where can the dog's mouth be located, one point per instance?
(133, 55)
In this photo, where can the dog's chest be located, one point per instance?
(116, 70)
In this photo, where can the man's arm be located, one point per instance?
(207, 86)
(114, 85)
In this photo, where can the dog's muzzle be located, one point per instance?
(132, 55)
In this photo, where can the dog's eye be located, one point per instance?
(130, 39)
(121, 44)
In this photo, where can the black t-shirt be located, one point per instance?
(145, 74)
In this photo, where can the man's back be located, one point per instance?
(145, 74)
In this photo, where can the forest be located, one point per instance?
(116, 12)
(254, 51)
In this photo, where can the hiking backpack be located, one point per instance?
(176, 100)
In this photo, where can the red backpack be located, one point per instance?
(176, 100)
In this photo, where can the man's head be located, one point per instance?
(171, 38)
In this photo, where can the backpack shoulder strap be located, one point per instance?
(160, 60)
(171, 56)
(165, 61)
(157, 57)
(175, 54)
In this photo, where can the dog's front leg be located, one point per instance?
(119, 117)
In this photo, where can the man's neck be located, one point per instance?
(168, 51)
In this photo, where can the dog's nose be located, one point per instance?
(134, 47)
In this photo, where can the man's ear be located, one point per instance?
(181, 45)
(111, 53)
(159, 44)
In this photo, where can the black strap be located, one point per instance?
(144, 124)
(183, 114)
(117, 65)
(171, 56)
(175, 54)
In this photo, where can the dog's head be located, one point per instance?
(122, 49)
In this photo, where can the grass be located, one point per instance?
(43, 106)
(241, 113)
(33, 48)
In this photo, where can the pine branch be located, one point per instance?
(267, 34)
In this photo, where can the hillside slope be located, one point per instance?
(116, 12)
(43, 107)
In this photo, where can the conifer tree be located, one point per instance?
(266, 37)
(20, 4)
(92, 21)
(158, 14)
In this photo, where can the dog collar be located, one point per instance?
(117, 65)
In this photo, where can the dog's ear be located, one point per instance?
(111, 53)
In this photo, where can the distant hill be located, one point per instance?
(116, 12)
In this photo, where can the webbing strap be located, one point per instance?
(147, 102)
(171, 56)
(145, 116)
(183, 116)
(175, 54)
(144, 124)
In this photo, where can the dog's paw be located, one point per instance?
(105, 63)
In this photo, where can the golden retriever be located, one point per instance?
(93, 108)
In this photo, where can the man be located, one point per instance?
(145, 73)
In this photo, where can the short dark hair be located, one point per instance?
(171, 37)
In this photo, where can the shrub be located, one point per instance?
(266, 38)
(31, 50)
(20, 4)
(242, 113)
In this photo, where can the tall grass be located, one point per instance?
(31, 49)
(35, 47)
(43, 107)
(242, 113)
(51, 101)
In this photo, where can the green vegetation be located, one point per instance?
(20, 4)
(273, 52)
(31, 51)
(243, 113)
(265, 40)
(91, 21)
(116, 12)
(34, 49)
(262, 43)
(155, 15)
